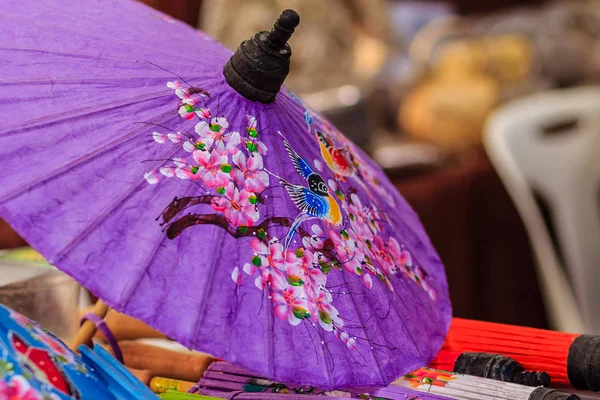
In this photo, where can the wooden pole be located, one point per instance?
(88, 328)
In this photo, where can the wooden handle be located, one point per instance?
(88, 328)
(163, 362)
(143, 375)
(161, 385)
(124, 327)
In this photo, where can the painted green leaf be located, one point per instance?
(351, 216)
(251, 146)
(261, 234)
(189, 108)
(300, 313)
(215, 127)
(226, 168)
(253, 199)
(256, 261)
(326, 268)
(243, 229)
(359, 270)
(344, 234)
(295, 280)
(252, 132)
(194, 169)
(199, 146)
(220, 190)
(325, 317)
(299, 252)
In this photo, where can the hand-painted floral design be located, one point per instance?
(18, 388)
(429, 377)
(238, 206)
(348, 234)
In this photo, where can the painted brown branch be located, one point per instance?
(180, 204)
(177, 227)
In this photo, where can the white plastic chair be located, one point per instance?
(564, 169)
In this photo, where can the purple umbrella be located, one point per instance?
(180, 185)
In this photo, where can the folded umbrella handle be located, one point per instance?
(88, 328)
(100, 324)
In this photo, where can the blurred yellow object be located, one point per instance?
(162, 385)
(460, 58)
(509, 57)
(449, 112)
(24, 255)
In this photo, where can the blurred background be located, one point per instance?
(484, 115)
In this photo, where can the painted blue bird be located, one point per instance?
(313, 201)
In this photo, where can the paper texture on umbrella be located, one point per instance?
(254, 232)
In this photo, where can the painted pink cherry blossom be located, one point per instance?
(361, 218)
(236, 276)
(323, 311)
(159, 137)
(314, 241)
(383, 255)
(290, 304)
(210, 168)
(190, 108)
(238, 206)
(151, 177)
(18, 388)
(214, 133)
(349, 255)
(187, 111)
(367, 281)
(272, 261)
(175, 137)
(186, 171)
(349, 341)
(249, 173)
(310, 273)
(401, 256)
(180, 91)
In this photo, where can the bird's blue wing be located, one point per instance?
(307, 201)
(302, 167)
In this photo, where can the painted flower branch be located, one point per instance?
(293, 268)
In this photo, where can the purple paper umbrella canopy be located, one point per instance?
(255, 232)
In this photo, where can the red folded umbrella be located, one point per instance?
(570, 359)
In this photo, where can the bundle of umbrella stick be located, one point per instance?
(569, 359)
(224, 380)
(503, 354)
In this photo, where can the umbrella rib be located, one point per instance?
(80, 81)
(70, 166)
(100, 39)
(80, 112)
(269, 312)
(417, 293)
(366, 331)
(128, 293)
(84, 56)
(95, 222)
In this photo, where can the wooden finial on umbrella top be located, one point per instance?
(259, 66)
